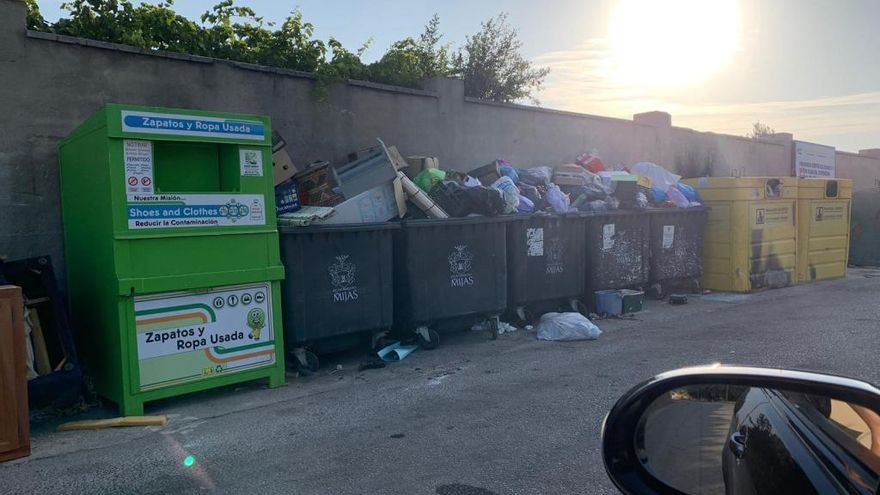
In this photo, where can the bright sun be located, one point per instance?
(671, 42)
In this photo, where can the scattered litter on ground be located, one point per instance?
(678, 299)
(486, 326)
(395, 352)
(371, 363)
(505, 328)
(97, 424)
(566, 326)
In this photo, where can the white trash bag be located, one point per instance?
(566, 326)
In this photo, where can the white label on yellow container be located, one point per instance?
(767, 215)
(827, 212)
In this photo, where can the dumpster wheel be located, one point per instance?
(428, 338)
(524, 317)
(580, 307)
(493, 328)
(308, 360)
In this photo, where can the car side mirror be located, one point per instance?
(744, 431)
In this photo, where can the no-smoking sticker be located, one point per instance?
(138, 156)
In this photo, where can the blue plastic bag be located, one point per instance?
(525, 205)
(659, 194)
(689, 192)
(507, 170)
(558, 199)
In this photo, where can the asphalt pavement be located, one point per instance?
(474, 417)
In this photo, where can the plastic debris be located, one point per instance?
(507, 170)
(558, 199)
(428, 178)
(504, 327)
(525, 205)
(591, 161)
(566, 327)
(305, 216)
(510, 193)
(537, 176)
(395, 352)
(660, 177)
(677, 197)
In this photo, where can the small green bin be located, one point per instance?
(632, 300)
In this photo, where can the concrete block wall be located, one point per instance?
(49, 84)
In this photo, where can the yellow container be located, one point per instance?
(750, 240)
(823, 228)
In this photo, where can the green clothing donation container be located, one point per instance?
(171, 250)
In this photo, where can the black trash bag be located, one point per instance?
(534, 194)
(486, 201)
(589, 192)
(450, 196)
(460, 201)
(538, 176)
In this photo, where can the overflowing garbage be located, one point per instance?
(377, 183)
(466, 271)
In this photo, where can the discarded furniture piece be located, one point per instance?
(15, 439)
(59, 380)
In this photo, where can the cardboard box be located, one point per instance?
(366, 173)
(418, 163)
(282, 166)
(376, 205)
(318, 184)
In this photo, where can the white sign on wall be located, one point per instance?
(814, 160)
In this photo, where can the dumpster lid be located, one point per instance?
(345, 227)
(433, 222)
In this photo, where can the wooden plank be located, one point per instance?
(41, 353)
(34, 302)
(15, 440)
(96, 424)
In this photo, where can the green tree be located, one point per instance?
(153, 27)
(760, 130)
(35, 20)
(410, 61)
(493, 67)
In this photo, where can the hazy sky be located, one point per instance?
(810, 67)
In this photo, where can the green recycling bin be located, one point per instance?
(171, 251)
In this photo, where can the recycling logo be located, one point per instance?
(233, 210)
